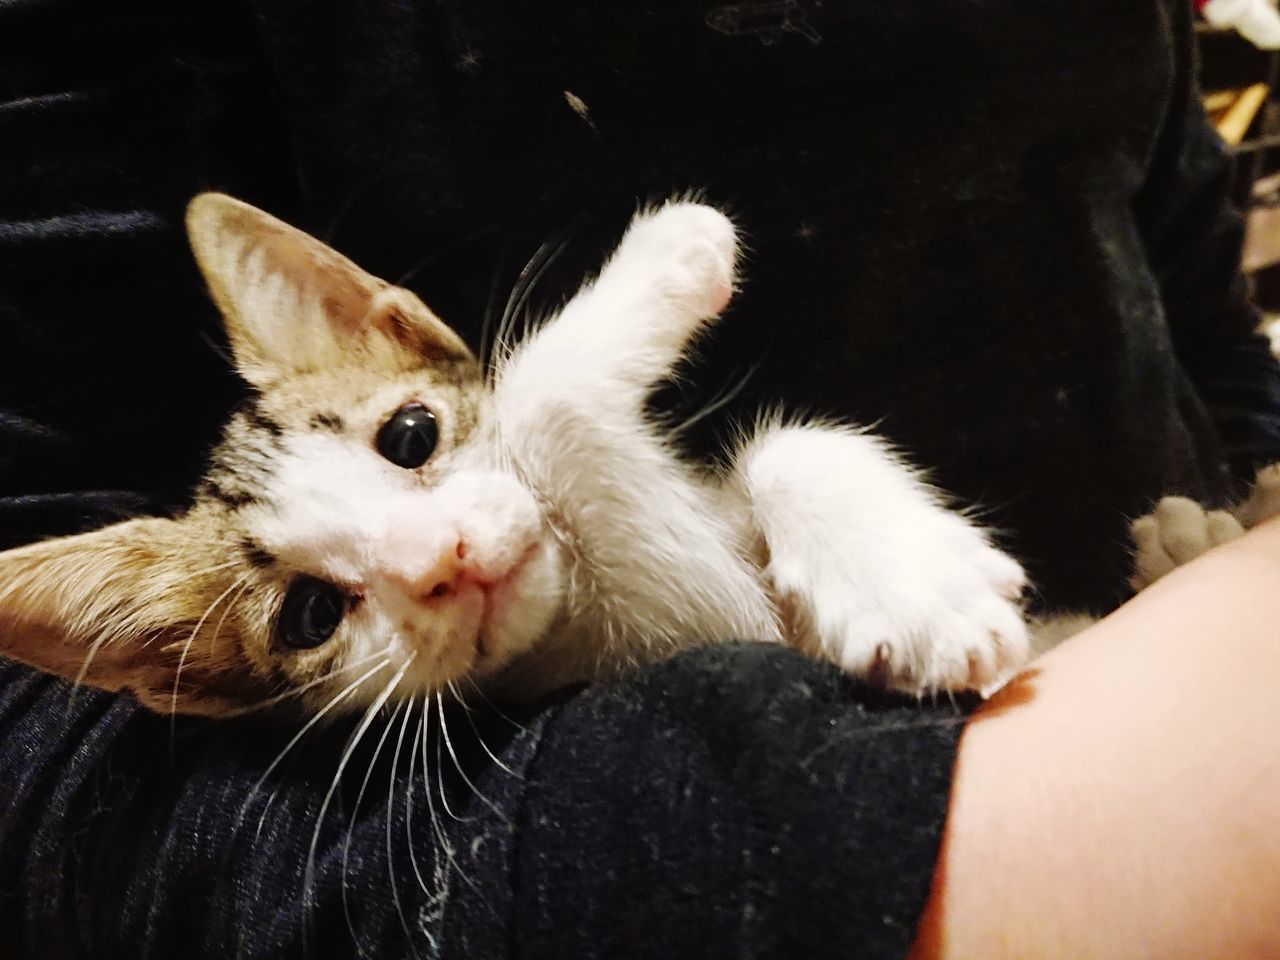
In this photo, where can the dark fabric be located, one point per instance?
(996, 229)
(738, 801)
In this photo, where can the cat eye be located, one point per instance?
(409, 438)
(311, 612)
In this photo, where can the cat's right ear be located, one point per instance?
(294, 305)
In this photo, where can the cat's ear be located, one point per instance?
(122, 608)
(293, 304)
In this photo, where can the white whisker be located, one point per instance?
(76, 682)
(444, 730)
(723, 398)
(493, 706)
(442, 838)
(486, 324)
(521, 290)
(239, 581)
(310, 684)
(320, 714)
(444, 800)
(205, 571)
(351, 825)
(436, 827)
(408, 803)
(479, 739)
(309, 871)
(391, 871)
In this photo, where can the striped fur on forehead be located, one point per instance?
(349, 401)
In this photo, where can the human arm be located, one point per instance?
(1122, 798)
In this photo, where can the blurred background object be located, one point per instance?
(1240, 76)
(1255, 20)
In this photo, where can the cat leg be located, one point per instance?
(655, 562)
(570, 398)
(870, 570)
(671, 274)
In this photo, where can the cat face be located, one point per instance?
(358, 529)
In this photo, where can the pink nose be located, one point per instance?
(440, 576)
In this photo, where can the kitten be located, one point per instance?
(380, 519)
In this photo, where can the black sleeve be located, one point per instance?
(736, 801)
(1194, 235)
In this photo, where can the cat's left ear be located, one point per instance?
(127, 607)
(293, 304)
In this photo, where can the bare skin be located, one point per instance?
(1122, 798)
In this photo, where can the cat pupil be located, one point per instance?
(310, 614)
(409, 437)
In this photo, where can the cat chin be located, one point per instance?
(521, 609)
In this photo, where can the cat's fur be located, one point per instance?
(1179, 530)
(553, 536)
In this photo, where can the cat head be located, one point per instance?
(357, 531)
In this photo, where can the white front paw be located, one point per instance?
(690, 249)
(947, 619)
(1176, 532)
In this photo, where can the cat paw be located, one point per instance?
(1176, 532)
(688, 251)
(954, 623)
(1264, 499)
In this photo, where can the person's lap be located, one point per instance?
(737, 798)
